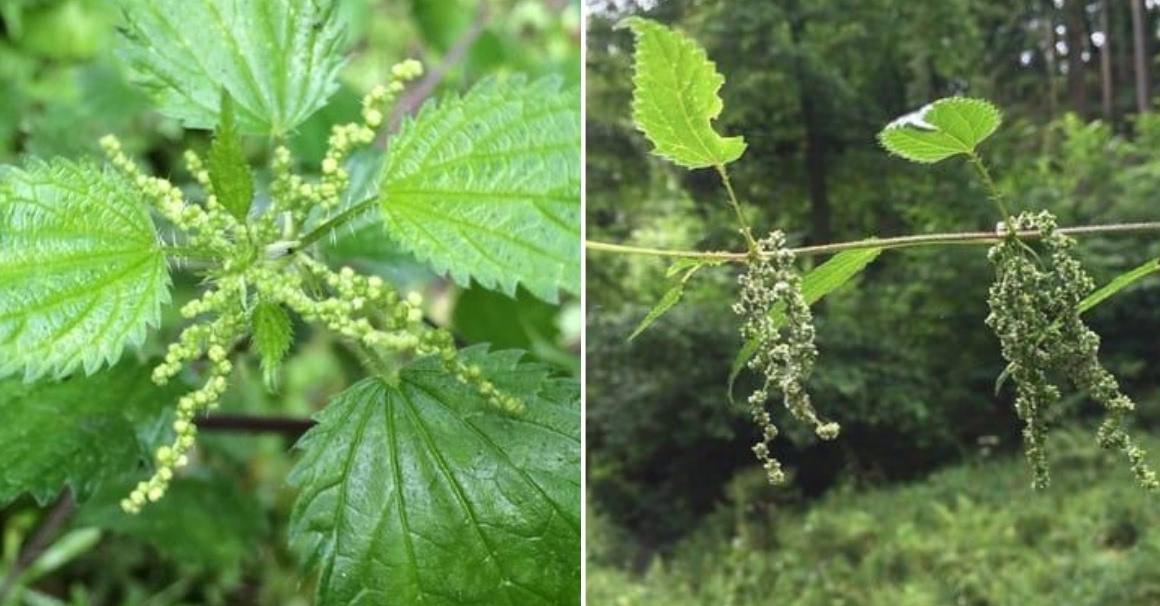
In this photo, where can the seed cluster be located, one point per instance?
(775, 314)
(259, 262)
(1034, 312)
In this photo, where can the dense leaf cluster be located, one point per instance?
(484, 475)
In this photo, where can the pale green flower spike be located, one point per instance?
(259, 263)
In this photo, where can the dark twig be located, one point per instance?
(290, 427)
(417, 95)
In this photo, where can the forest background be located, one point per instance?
(925, 498)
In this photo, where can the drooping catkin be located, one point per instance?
(776, 314)
(1035, 314)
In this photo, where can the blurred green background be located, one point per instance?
(925, 497)
(219, 537)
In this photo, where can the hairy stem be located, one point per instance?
(353, 212)
(977, 238)
(993, 192)
(742, 223)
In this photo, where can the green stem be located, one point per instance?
(941, 239)
(745, 231)
(993, 191)
(371, 359)
(351, 213)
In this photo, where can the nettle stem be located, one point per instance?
(975, 238)
(993, 191)
(742, 223)
(330, 225)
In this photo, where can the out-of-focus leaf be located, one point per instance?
(442, 22)
(486, 316)
(67, 30)
(65, 549)
(204, 520)
(75, 433)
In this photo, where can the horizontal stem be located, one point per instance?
(967, 238)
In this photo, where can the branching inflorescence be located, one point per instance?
(259, 263)
(786, 352)
(1035, 313)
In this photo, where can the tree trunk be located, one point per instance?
(1106, 84)
(1143, 85)
(814, 124)
(816, 170)
(1123, 48)
(1073, 22)
(1049, 65)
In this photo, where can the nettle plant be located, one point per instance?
(447, 475)
(1036, 301)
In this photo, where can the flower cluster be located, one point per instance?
(1035, 313)
(259, 261)
(776, 315)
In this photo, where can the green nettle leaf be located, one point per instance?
(821, 281)
(77, 433)
(487, 186)
(229, 172)
(420, 492)
(273, 334)
(204, 520)
(1119, 283)
(82, 273)
(278, 59)
(674, 294)
(667, 301)
(675, 98)
(486, 316)
(945, 128)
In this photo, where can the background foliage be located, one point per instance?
(61, 88)
(907, 365)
